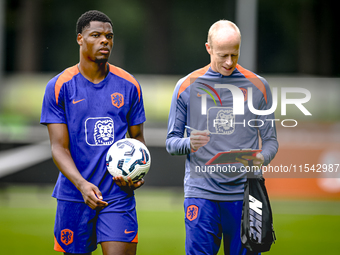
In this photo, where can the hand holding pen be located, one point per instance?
(198, 138)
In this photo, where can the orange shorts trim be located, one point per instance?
(57, 246)
(135, 240)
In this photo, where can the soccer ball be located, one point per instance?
(128, 157)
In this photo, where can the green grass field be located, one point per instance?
(27, 218)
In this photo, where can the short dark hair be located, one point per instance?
(93, 15)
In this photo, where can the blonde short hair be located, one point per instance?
(221, 25)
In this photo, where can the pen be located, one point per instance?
(187, 127)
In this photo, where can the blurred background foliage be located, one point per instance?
(158, 42)
(167, 37)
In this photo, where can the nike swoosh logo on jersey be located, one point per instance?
(128, 232)
(76, 102)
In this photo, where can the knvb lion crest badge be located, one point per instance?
(67, 236)
(245, 93)
(117, 99)
(192, 212)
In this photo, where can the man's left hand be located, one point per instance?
(257, 160)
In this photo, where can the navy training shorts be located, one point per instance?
(205, 223)
(78, 228)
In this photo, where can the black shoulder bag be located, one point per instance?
(257, 232)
